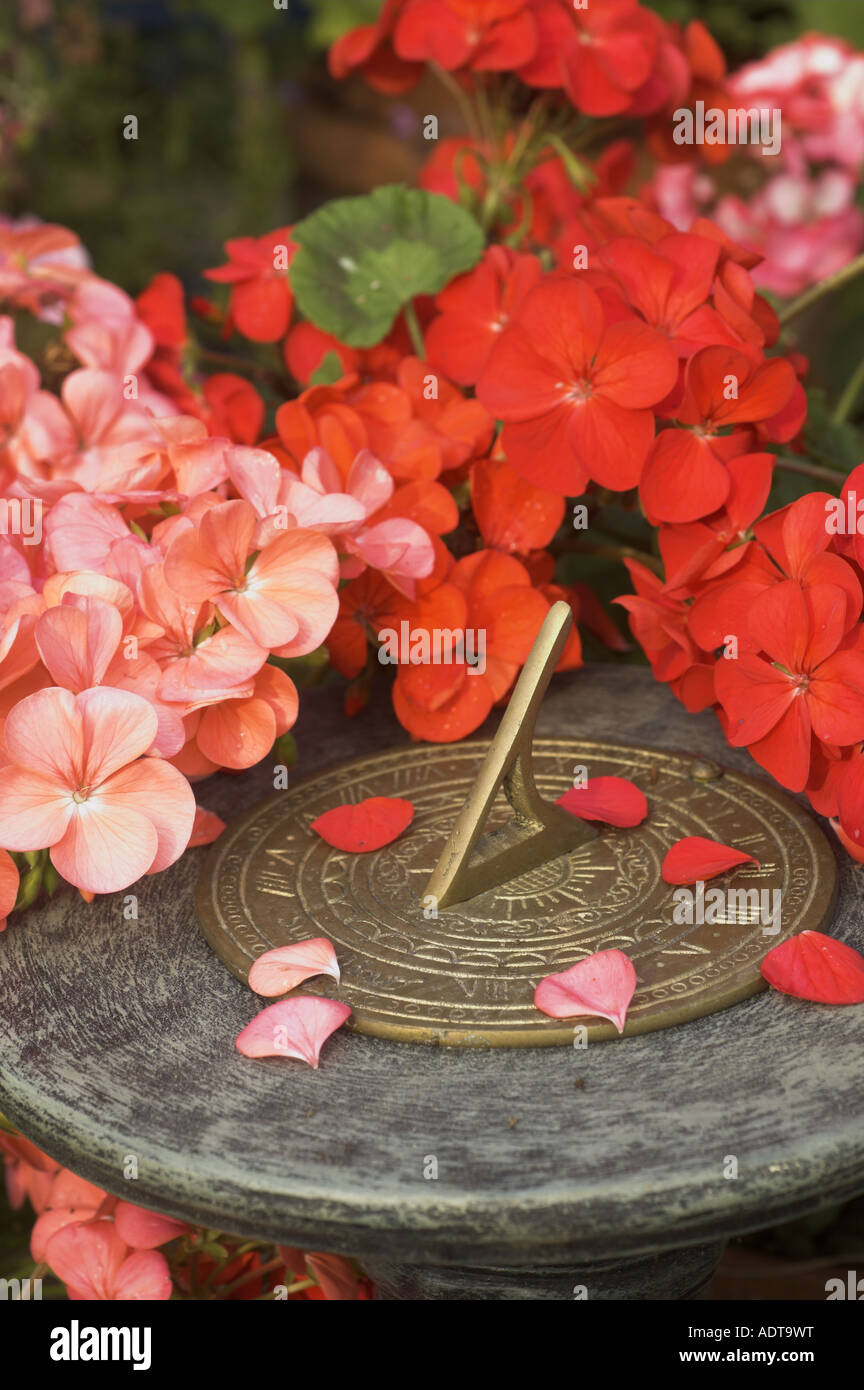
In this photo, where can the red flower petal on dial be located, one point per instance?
(695, 858)
(614, 800)
(206, 827)
(296, 1027)
(601, 986)
(277, 971)
(815, 966)
(366, 825)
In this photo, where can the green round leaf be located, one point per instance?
(361, 260)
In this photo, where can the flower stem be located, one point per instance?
(247, 1278)
(841, 277)
(462, 100)
(846, 403)
(811, 470)
(229, 362)
(413, 325)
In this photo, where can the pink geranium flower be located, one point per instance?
(94, 418)
(286, 599)
(79, 785)
(81, 641)
(319, 499)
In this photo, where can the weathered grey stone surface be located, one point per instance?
(116, 1038)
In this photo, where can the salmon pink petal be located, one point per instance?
(278, 971)
(237, 733)
(318, 471)
(261, 617)
(206, 828)
(117, 727)
(298, 551)
(399, 545)
(695, 858)
(160, 793)
(601, 986)
(296, 1027)
(105, 848)
(218, 664)
(280, 693)
(317, 608)
(369, 481)
(816, 967)
(256, 475)
(44, 734)
(333, 512)
(34, 809)
(614, 800)
(145, 1230)
(77, 644)
(144, 1277)
(80, 531)
(201, 563)
(8, 883)
(365, 825)
(52, 1221)
(87, 1257)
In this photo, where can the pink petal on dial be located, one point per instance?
(601, 986)
(282, 969)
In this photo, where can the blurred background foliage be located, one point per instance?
(237, 120)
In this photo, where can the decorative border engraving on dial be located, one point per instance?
(468, 977)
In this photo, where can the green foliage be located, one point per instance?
(330, 19)
(361, 260)
(210, 84)
(330, 370)
(830, 442)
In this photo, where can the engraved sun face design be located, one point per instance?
(468, 974)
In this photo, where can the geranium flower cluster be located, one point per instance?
(105, 1249)
(611, 58)
(804, 219)
(762, 623)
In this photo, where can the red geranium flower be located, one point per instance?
(261, 297)
(574, 392)
(601, 54)
(483, 34)
(685, 477)
(807, 681)
(475, 308)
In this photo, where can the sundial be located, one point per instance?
(443, 935)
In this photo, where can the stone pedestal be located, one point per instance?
(553, 1168)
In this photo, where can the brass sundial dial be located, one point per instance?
(443, 935)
